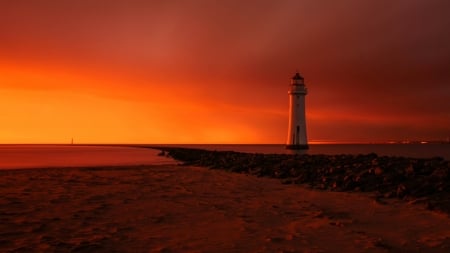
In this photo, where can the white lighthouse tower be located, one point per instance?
(297, 121)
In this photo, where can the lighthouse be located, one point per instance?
(297, 121)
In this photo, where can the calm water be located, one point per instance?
(39, 156)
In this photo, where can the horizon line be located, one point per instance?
(156, 144)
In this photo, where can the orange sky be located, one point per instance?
(105, 71)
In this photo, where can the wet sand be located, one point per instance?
(194, 209)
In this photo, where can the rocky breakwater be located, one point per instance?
(416, 180)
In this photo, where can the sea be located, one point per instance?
(63, 156)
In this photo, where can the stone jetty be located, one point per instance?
(425, 181)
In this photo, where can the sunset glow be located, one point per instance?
(202, 72)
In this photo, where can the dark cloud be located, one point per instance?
(367, 57)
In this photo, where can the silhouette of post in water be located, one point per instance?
(297, 121)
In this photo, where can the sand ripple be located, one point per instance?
(191, 209)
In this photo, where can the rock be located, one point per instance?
(389, 194)
(409, 170)
(378, 171)
(401, 191)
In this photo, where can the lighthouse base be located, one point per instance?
(298, 146)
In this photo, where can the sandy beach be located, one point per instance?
(192, 209)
